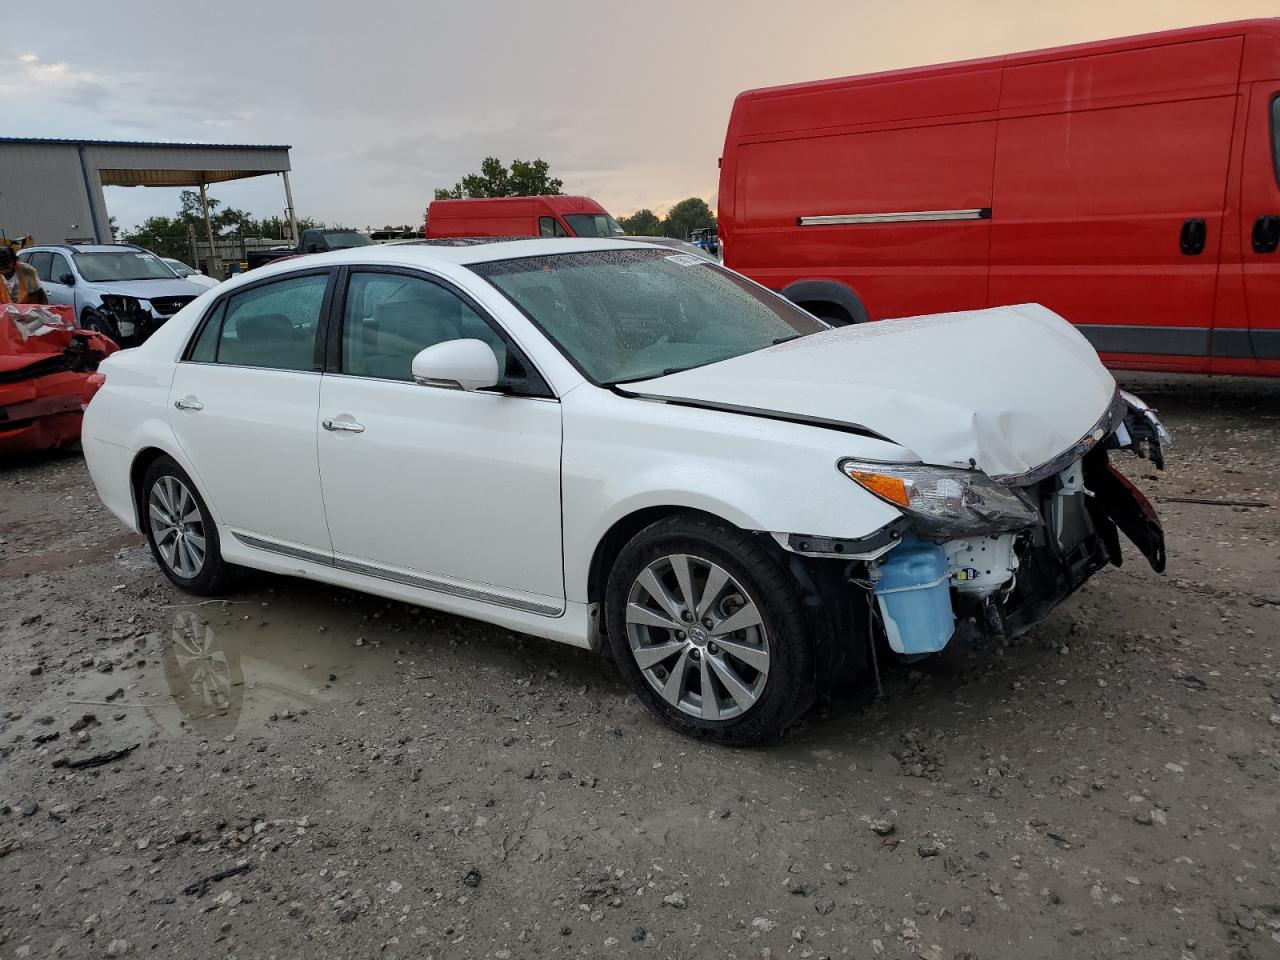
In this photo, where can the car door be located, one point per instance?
(1260, 229)
(243, 406)
(458, 490)
(55, 284)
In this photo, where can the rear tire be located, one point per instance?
(181, 531)
(717, 643)
(831, 314)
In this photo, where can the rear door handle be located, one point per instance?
(1266, 234)
(1191, 241)
(188, 403)
(343, 423)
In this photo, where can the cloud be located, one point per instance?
(29, 76)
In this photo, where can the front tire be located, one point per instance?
(91, 319)
(181, 531)
(709, 628)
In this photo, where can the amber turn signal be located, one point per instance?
(888, 488)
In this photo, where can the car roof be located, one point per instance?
(86, 247)
(458, 250)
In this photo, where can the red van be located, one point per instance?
(1132, 185)
(552, 216)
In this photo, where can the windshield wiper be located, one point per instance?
(794, 336)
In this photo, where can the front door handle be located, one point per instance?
(188, 403)
(1192, 238)
(1266, 234)
(343, 423)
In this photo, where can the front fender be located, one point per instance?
(623, 455)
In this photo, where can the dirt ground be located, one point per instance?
(382, 780)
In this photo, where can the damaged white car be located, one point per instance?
(600, 441)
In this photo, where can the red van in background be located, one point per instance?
(1131, 185)
(550, 216)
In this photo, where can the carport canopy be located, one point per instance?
(52, 188)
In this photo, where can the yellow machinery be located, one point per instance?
(17, 243)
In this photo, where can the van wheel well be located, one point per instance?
(137, 471)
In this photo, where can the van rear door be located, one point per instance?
(1260, 229)
(1110, 180)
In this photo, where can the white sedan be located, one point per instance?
(599, 441)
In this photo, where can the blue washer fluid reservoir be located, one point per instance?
(914, 596)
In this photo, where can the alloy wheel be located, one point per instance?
(177, 527)
(697, 637)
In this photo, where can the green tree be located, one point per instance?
(687, 215)
(171, 236)
(525, 178)
(642, 223)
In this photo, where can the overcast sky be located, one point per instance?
(382, 102)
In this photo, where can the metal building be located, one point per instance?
(52, 189)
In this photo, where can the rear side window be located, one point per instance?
(205, 349)
(273, 326)
(41, 261)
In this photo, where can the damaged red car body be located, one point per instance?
(47, 376)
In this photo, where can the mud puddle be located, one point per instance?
(211, 671)
(54, 560)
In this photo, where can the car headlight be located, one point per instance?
(943, 501)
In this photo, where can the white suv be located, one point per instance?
(121, 290)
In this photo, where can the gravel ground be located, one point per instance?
(313, 772)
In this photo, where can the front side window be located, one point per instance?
(624, 315)
(551, 227)
(390, 317)
(59, 268)
(122, 265)
(273, 325)
(594, 225)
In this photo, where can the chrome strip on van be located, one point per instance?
(904, 216)
(408, 579)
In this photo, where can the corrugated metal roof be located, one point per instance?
(147, 143)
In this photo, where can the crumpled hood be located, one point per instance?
(147, 289)
(1008, 388)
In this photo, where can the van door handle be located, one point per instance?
(343, 423)
(1193, 236)
(1266, 233)
(188, 403)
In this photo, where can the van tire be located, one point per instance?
(830, 313)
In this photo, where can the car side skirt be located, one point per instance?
(571, 623)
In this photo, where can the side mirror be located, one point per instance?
(68, 278)
(457, 365)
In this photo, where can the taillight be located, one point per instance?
(92, 384)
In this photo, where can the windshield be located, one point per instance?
(594, 225)
(623, 315)
(178, 267)
(346, 239)
(125, 265)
